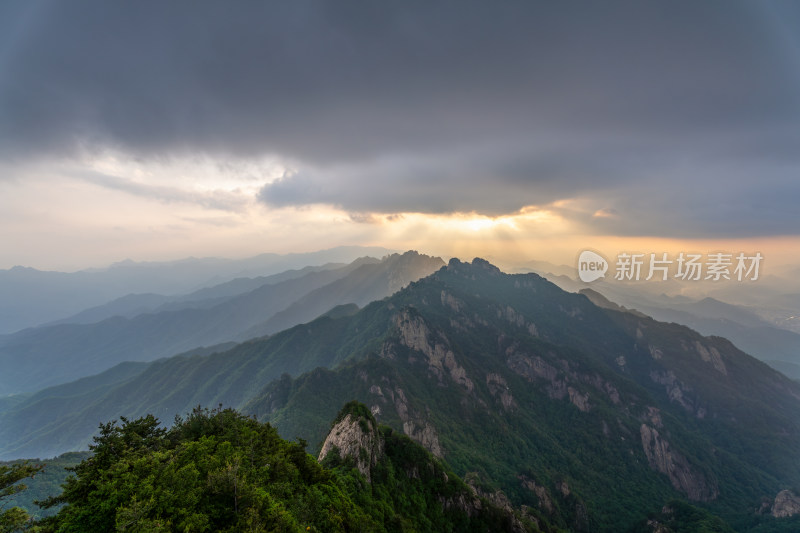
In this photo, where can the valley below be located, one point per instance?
(541, 409)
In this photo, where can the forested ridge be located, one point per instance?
(218, 470)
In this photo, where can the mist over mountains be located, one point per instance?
(761, 319)
(593, 415)
(30, 297)
(470, 385)
(48, 355)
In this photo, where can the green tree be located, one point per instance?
(221, 471)
(14, 518)
(214, 471)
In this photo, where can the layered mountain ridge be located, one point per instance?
(39, 357)
(30, 297)
(594, 417)
(536, 389)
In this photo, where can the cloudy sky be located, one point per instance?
(517, 130)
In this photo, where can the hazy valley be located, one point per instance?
(589, 415)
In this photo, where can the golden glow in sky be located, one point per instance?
(513, 132)
(111, 208)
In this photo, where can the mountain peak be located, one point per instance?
(354, 435)
(478, 266)
(411, 256)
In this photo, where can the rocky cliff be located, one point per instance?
(786, 504)
(355, 437)
(537, 390)
(393, 462)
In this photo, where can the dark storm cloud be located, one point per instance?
(494, 179)
(434, 107)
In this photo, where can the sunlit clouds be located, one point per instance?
(515, 131)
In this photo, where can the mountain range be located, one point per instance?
(778, 347)
(596, 417)
(237, 310)
(762, 322)
(30, 297)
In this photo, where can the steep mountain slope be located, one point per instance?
(220, 471)
(366, 284)
(41, 357)
(780, 348)
(48, 424)
(401, 471)
(30, 297)
(176, 385)
(131, 305)
(595, 417)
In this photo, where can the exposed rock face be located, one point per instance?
(678, 392)
(786, 504)
(448, 300)
(499, 499)
(711, 355)
(654, 416)
(656, 353)
(349, 437)
(545, 503)
(531, 367)
(498, 387)
(415, 334)
(563, 488)
(469, 504)
(511, 315)
(683, 477)
(417, 429)
(426, 435)
(581, 401)
(535, 368)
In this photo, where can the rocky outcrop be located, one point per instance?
(655, 353)
(530, 367)
(545, 502)
(448, 300)
(415, 334)
(468, 504)
(498, 387)
(478, 265)
(653, 415)
(676, 390)
(355, 437)
(535, 368)
(415, 427)
(512, 316)
(578, 399)
(425, 434)
(711, 355)
(786, 504)
(661, 457)
(496, 498)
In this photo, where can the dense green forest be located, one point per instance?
(217, 470)
(45, 483)
(13, 517)
(559, 413)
